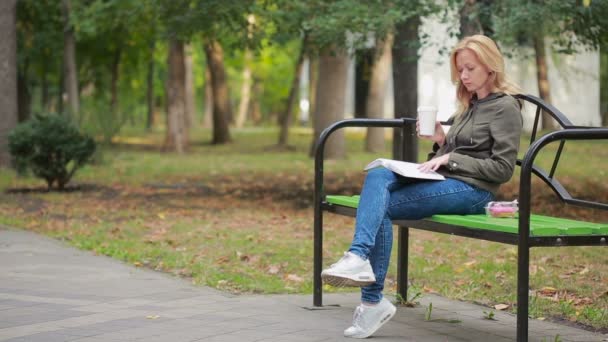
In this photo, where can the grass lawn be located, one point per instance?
(238, 217)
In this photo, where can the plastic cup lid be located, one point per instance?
(427, 109)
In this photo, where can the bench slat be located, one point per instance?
(539, 225)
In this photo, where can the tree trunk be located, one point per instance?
(241, 116)
(313, 81)
(374, 140)
(190, 96)
(114, 83)
(331, 93)
(8, 76)
(150, 88)
(285, 118)
(61, 87)
(176, 98)
(244, 104)
(604, 84)
(208, 112)
(221, 97)
(363, 72)
(255, 106)
(69, 62)
(469, 19)
(23, 95)
(44, 85)
(405, 83)
(542, 77)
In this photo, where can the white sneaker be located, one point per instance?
(368, 319)
(350, 270)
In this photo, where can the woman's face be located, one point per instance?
(473, 75)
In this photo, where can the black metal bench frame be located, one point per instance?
(523, 240)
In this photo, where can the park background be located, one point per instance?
(205, 114)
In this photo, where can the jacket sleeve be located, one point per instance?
(505, 131)
(436, 146)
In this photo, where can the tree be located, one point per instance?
(218, 23)
(222, 110)
(333, 67)
(333, 29)
(8, 75)
(475, 17)
(246, 84)
(116, 39)
(405, 78)
(177, 133)
(189, 84)
(374, 140)
(150, 86)
(568, 25)
(469, 19)
(69, 61)
(286, 116)
(604, 86)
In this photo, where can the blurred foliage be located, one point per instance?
(572, 25)
(134, 32)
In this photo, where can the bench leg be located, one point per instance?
(523, 286)
(318, 257)
(402, 261)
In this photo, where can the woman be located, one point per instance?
(476, 156)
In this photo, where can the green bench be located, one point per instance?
(525, 231)
(540, 226)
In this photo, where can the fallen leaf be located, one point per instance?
(501, 306)
(223, 260)
(547, 291)
(137, 264)
(428, 289)
(583, 301)
(242, 257)
(470, 263)
(152, 317)
(294, 278)
(273, 269)
(460, 282)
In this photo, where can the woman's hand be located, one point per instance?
(438, 137)
(435, 163)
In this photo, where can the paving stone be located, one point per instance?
(52, 292)
(45, 337)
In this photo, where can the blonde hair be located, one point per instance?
(489, 55)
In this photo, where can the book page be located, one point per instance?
(403, 168)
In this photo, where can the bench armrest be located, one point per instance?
(527, 168)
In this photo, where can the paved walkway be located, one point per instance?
(52, 292)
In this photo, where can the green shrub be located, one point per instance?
(51, 147)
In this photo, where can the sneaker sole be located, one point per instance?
(370, 332)
(345, 281)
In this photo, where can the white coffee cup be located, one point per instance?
(427, 116)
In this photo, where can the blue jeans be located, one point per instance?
(386, 196)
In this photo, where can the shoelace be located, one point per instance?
(342, 258)
(357, 316)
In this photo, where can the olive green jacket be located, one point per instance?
(483, 142)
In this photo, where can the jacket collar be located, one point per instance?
(490, 97)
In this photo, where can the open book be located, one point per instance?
(404, 168)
